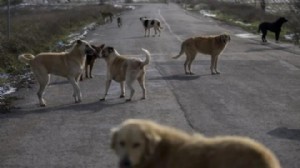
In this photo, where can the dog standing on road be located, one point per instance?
(122, 69)
(91, 56)
(146, 144)
(273, 27)
(119, 21)
(66, 64)
(151, 23)
(209, 45)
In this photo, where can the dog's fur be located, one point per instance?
(273, 27)
(151, 23)
(209, 45)
(66, 64)
(91, 56)
(146, 144)
(122, 69)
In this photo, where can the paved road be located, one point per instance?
(257, 95)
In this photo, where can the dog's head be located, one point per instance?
(282, 20)
(107, 51)
(82, 45)
(224, 38)
(95, 52)
(143, 18)
(133, 141)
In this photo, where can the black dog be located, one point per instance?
(273, 27)
(91, 57)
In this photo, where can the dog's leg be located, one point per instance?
(130, 77)
(91, 67)
(141, 80)
(216, 64)
(277, 36)
(122, 90)
(129, 84)
(43, 81)
(145, 32)
(190, 56)
(212, 64)
(107, 85)
(76, 90)
(190, 63)
(264, 34)
(155, 31)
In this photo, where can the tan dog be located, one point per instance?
(66, 64)
(145, 144)
(121, 69)
(209, 45)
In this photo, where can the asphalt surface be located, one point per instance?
(257, 95)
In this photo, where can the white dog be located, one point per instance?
(151, 23)
(121, 69)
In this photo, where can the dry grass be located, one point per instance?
(36, 30)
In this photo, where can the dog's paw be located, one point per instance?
(43, 105)
(122, 96)
(77, 101)
(143, 98)
(128, 100)
(103, 99)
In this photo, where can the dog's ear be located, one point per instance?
(114, 135)
(78, 41)
(152, 140)
(102, 46)
(110, 49)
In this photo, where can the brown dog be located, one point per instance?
(91, 56)
(66, 64)
(146, 144)
(210, 45)
(121, 69)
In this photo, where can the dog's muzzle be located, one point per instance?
(125, 163)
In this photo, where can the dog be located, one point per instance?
(122, 69)
(66, 64)
(151, 23)
(146, 144)
(106, 15)
(209, 45)
(119, 21)
(91, 56)
(273, 27)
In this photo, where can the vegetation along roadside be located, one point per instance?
(36, 29)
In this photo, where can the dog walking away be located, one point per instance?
(209, 45)
(146, 144)
(66, 64)
(151, 23)
(122, 69)
(275, 27)
(91, 56)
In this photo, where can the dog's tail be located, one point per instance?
(148, 57)
(26, 58)
(181, 51)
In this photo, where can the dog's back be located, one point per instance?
(272, 26)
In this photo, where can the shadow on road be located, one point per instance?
(67, 108)
(177, 77)
(286, 133)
